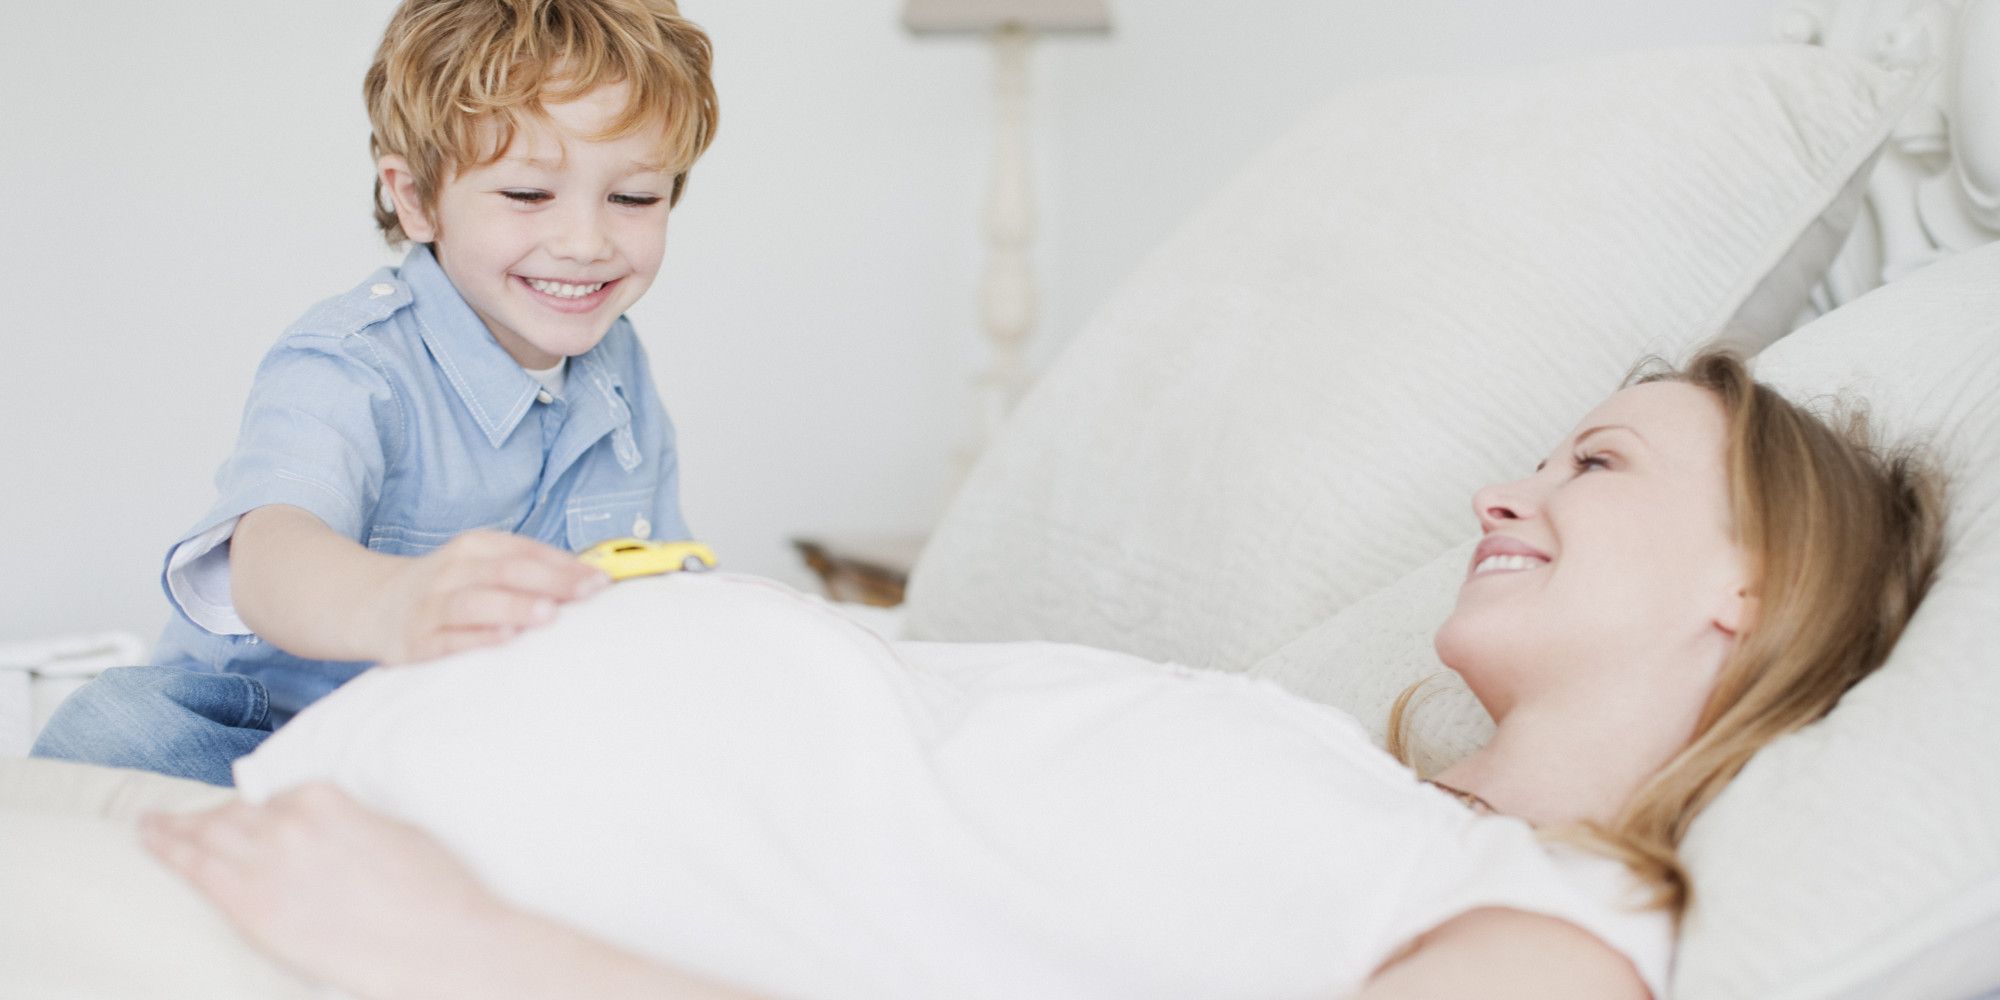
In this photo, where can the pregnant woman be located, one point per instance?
(710, 786)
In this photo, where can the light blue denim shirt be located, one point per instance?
(392, 414)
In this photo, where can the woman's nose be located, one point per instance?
(1500, 502)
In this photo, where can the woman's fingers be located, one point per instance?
(165, 836)
(209, 849)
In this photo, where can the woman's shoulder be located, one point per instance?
(1501, 953)
(1501, 863)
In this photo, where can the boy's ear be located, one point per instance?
(401, 186)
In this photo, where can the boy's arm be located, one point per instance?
(317, 594)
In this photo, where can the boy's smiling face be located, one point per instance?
(555, 240)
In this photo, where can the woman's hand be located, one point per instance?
(343, 894)
(377, 908)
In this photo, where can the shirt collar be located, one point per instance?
(496, 390)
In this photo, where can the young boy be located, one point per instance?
(420, 456)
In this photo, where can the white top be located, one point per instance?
(732, 777)
(552, 379)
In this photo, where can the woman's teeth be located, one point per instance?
(561, 290)
(1494, 564)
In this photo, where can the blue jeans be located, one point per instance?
(187, 723)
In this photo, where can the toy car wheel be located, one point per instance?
(693, 564)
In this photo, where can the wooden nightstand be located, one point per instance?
(867, 569)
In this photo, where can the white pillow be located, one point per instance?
(1412, 294)
(1361, 659)
(1859, 857)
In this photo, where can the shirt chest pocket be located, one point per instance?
(402, 540)
(604, 516)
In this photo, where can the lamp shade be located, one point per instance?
(987, 15)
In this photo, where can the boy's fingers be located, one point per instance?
(458, 640)
(562, 578)
(506, 546)
(489, 607)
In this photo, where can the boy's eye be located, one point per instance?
(640, 200)
(527, 196)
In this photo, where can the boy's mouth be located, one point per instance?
(568, 296)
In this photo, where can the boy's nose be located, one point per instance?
(582, 236)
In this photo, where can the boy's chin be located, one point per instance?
(567, 344)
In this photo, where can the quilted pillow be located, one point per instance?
(1415, 292)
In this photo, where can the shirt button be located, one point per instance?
(544, 397)
(381, 288)
(642, 528)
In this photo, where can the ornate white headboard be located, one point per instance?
(1936, 189)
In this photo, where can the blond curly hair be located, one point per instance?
(453, 79)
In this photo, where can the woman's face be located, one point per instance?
(1615, 556)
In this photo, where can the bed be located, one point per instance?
(1253, 459)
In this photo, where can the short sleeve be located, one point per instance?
(1499, 861)
(316, 434)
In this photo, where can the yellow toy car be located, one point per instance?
(624, 558)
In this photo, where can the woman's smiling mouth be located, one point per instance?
(1501, 553)
(1507, 564)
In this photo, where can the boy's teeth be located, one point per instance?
(1492, 563)
(560, 290)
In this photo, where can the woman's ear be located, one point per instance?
(401, 185)
(1737, 612)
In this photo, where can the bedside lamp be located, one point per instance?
(1008, 289)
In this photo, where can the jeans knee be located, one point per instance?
(146, 698)
(125, 682)
(183, 722)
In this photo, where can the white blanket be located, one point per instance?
(722, 773)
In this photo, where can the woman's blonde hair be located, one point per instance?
(1844, 540)
(453, 79)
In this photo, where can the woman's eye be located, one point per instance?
(637, 200)
(526, 197)
(1585, 463)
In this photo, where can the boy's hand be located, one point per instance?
(479, 589)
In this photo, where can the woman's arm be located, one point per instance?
(378, 908)
(1500, 954)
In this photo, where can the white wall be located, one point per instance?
(181, 180)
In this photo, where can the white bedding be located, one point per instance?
(722, 773)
